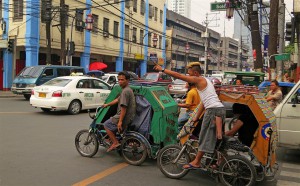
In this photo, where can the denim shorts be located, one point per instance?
(208, 136)
(110, 125)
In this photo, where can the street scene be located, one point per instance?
(149, 92)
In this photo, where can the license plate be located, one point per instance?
(177, 88)
(42, 95)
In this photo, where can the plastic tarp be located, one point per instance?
(142, 119)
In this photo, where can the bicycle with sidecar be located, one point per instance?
(154, 126)
(237, 164)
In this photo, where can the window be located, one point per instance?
(112, 80)
(150, 11)
(134, 35)
(135, 5)
(127, 3)
(63, 72)
(127, 32)
(48, 72)
(99, 85)
(155, 13)
(79, 20)
(116, 29)
(95, 23)
(161, 16)
(84, 83)
(18, 10)
(160, 42)
(105, 26)
(142, 37)
(149, 39)
(116, 1)
(142, 7)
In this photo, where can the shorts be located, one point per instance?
(207, 136)
(108, 124)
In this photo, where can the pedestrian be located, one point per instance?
(211, 128)
(274, 96)
(125, 112)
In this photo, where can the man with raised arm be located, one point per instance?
(211, 128)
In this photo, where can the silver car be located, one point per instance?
(177, 87)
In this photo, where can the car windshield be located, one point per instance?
(31, 72)
(151, 76)
(59, 82)
(179, 81)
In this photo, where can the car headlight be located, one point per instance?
(14, 85)
(31, 85)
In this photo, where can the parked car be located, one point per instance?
(155, 78)
(33, 76)
(214, 80)
(70, 93)
(177, 87)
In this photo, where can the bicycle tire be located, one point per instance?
(88, 140)
(242, 170)
(170, 153)
(133, 150)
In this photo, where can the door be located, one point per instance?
(102, 92)
(86, 93)
(289, 125)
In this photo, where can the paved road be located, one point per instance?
(38, 149)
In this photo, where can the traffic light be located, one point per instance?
(72, 48)
(10, 46)
(290, 31)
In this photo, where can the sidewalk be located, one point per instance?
(7, 94)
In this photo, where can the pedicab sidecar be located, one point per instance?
(154, 126)
(260, 155)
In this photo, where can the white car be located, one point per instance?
(71, 93)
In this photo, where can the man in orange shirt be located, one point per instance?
(191, 102)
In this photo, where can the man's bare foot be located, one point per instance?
(113, 147)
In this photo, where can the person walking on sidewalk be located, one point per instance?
(125, 113)
(211, 128)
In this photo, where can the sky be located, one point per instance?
(201, 7)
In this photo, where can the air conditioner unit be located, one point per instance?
(105, 34)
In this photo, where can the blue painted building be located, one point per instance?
(122, 35)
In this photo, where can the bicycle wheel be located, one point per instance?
(166, 164)
(86, 143)
(231, 122)
(237, 170)
(133, 150)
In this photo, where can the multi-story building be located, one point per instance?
(123, 35)
(186, 43)
(232, 55)
(182, 7)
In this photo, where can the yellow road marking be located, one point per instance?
(101, 175)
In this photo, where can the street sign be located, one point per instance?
(221, 6)
(282, 57)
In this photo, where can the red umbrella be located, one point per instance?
(97, 66)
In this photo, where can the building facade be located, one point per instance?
(186, 43)
(182, 7)
(123, 36)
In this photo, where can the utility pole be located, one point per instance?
(273, 35)
(240, 49)
(281, 23)
(255, 35)
(48, 7)
(63, 32)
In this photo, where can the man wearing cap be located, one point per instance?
(211, 128)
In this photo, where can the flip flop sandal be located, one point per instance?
(191, 167)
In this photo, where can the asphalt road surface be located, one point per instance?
(38, 148)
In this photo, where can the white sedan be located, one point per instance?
(71, 93)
